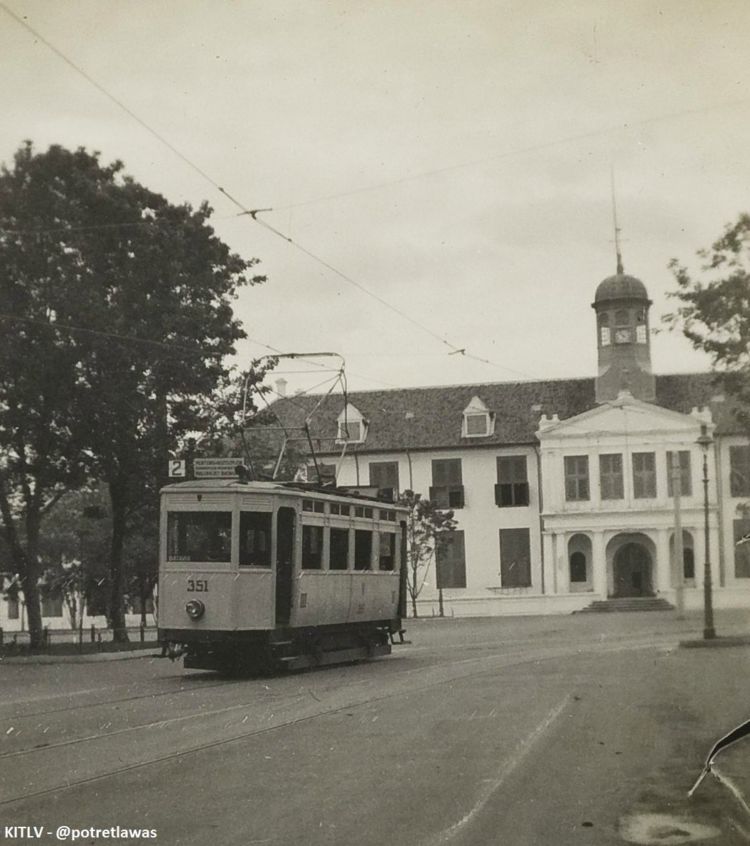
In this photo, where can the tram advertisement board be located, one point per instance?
(216, 468)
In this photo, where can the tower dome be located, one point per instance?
(621, 287)
(621, 304)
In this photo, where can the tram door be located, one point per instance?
(285, 518)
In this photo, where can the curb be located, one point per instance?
(716, 642)
(81, 659)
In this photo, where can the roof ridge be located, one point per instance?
(488, 384)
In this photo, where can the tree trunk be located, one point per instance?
(25, 559)
(116, 610)
(30, 588)
(30, 575)
(142, 587)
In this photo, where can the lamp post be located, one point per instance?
(679, 554)
(704, 441)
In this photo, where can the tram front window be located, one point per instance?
(199, 536)
(255, 539)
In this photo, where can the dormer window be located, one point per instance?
(477, 424)
(350, 431)
(478, 421)
(352, 426)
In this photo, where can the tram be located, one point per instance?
(263, 575)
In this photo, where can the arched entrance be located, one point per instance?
(632, 571)
(579, 563)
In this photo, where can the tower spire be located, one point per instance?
(614, 221)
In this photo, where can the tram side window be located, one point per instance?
(362, 550)
(255, 539)
(339, 557)
(387, 550)
(312, 547)
(199, 536)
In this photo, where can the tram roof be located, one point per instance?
(290, 488)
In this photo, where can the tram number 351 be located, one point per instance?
(197, 586)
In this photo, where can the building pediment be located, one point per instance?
(625, 415)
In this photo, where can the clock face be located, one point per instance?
(622, 336)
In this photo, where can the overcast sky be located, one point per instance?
(453, 158)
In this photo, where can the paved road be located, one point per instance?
(562, 730)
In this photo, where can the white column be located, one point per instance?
(549, 561)
(553, 563)
(662, 574)
(599, 564)
(561, 563)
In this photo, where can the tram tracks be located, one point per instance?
(21, 720)
(161, 741)
(198, 687)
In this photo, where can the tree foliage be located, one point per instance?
(714, 310)
(74, 550)
(427, 531)
(118, 318)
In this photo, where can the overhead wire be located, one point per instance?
(455, 350)
(305, 357)
(517, 151)
(354, 282)
(172, 347)
(53, 230)
(108, 95)
(67, 327)
(340, 377)
(251, 212)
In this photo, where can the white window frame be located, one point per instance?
(350, 416)
(476, 408)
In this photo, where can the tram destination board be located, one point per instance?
(216, 468)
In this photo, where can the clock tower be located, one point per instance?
(621, 304)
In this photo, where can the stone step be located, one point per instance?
(635, 603)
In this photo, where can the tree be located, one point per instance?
(427, 531)
(134, 296)
(714, 313)
(41, 452)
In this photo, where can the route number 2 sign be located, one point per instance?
(176, 468)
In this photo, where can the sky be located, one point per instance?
(443, 168)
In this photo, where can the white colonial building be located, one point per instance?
(562, 489)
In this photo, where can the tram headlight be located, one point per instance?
(195, 609)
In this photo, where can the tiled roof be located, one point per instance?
(430, 418)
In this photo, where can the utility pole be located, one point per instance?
(709, 632)
(678, 552)
(409, 417)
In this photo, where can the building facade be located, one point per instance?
(56, 617)
(563, 490)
